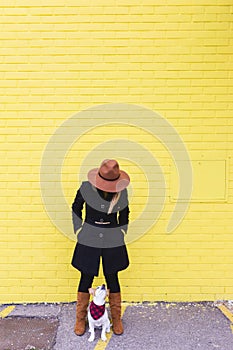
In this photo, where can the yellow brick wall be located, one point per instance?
(59, 58)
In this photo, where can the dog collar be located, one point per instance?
(96, 311)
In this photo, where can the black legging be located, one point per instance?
(111, 280)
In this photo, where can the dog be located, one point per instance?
(97, 314)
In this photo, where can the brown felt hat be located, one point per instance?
(108, 177)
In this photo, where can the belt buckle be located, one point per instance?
(102, 222)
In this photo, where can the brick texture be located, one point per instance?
(62, 57)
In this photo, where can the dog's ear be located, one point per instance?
(108, 292)
(91, 291)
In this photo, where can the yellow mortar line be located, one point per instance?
(5, 312)
(101, 345)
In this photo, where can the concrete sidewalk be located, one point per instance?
(158, 326)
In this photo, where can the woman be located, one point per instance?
(101, 235)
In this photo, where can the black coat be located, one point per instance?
(101, 234)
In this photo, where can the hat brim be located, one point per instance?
(109, 186)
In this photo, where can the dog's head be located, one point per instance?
(99, 294)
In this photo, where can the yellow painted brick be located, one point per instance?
(38, 67)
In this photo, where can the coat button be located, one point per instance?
(101, 235)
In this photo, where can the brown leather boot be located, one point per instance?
(81, 312)
(115, 307)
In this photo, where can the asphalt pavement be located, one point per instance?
(157, 326)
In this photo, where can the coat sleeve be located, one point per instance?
(123, 217)
(77, 208)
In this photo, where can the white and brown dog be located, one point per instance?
(97, 313)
